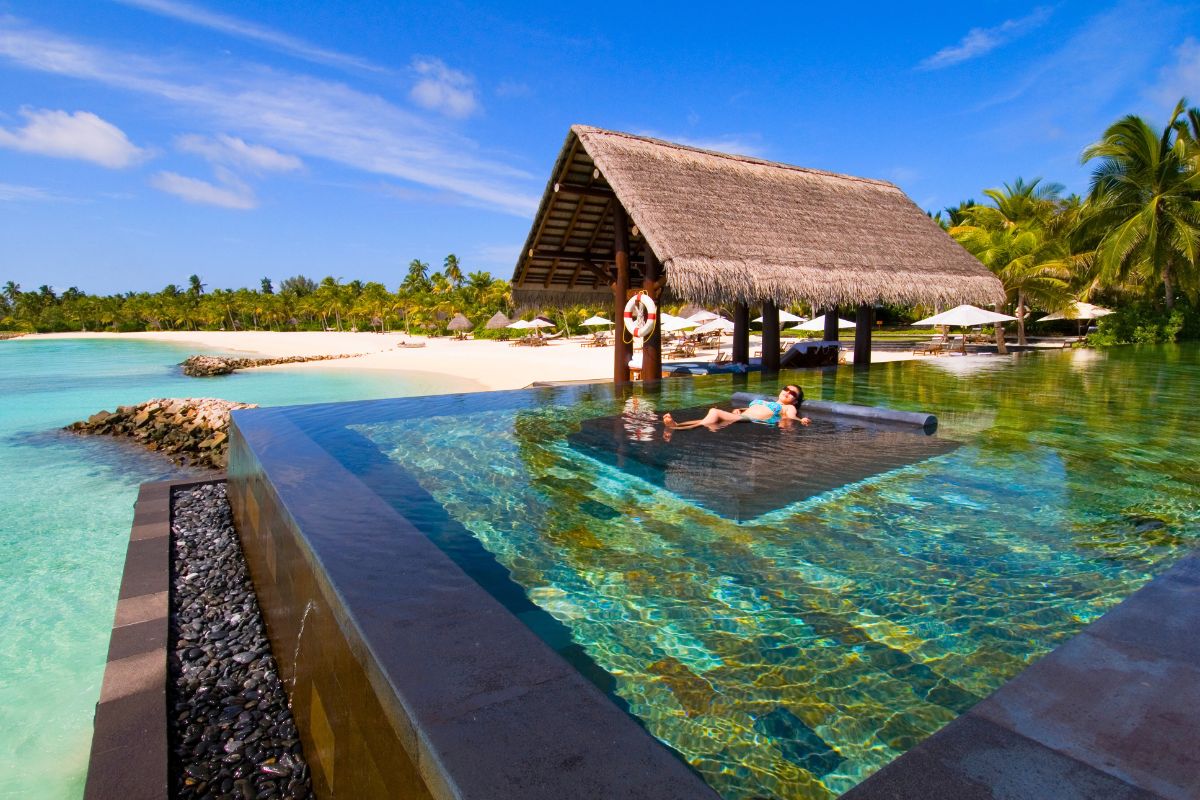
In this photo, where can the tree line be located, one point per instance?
(424, 302)
(1132, 243)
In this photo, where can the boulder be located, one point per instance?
(190, 430)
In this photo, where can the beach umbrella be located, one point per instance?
(597, 320)
(703, 316)
(818, 324)
(718, 325)
(497, 321)
(519, 325)
(785, 316)
(540, 322)
(964, 316)
(671, 323)
(460, 323)
(1077, 310)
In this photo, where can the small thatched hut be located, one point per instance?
(497, 321)
(622, 211)
(460, 324)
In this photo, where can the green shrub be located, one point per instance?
(1148, 323)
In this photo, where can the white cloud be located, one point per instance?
(1180, 78)
(193, 190)
(513, 89)
(903, 174)
(722, 143)
(81, 135)
(491, 256)
(980, 41)
(442, 89)
(295, 113)
(11, 193)
(232, 151)
(233, 26)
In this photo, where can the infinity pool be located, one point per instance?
(789, 649)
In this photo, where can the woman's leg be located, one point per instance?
(714, 416)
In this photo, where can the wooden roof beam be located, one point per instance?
(583, 191)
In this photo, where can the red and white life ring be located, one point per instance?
(640, 313)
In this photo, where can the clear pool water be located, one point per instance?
(791, 654)
(66, 504)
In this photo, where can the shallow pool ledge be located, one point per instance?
(407, 679)
(1111, 713)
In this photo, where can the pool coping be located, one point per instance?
(130, 753)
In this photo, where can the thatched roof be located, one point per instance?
(460, 323)
(731, 228)
(497, 321)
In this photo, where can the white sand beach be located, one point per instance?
(493, 364)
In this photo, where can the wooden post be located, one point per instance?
(863, 322)
(741, 333)
(652, 347)
(831, 325)
(622, 347)
(770, 338)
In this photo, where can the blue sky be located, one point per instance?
(142, 141)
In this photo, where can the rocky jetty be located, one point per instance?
(209, 366)
(231, 730)
(9, 335)
(192, 431)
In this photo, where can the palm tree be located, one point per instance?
(1021, 238)
(417, 279)
(1144, 198)
(453, 270)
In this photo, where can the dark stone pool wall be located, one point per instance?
(407, 679)
(129, 755)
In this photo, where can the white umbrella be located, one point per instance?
(519, 325)
(538, 322)
(703, 316)
(1077, 310)
(964, 316)
(818, 324)
(671, 323)
(785, 316)
(590, 321)
(720, 325)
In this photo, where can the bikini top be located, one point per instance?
(775, 406)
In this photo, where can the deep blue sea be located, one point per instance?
(66, 504)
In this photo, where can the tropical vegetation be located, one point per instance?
(1131, 243)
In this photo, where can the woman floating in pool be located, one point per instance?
(781, 410)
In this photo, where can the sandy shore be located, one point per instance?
(493, 364)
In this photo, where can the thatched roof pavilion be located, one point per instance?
(734, 230)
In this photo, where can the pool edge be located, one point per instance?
(404, 674)
(129, 754)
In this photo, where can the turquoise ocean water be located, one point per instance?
(66, 503)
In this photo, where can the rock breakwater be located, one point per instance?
(191, 431)
(210, 366)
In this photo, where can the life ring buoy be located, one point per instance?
(640, 313)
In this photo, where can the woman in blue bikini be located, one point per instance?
(770, 411)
